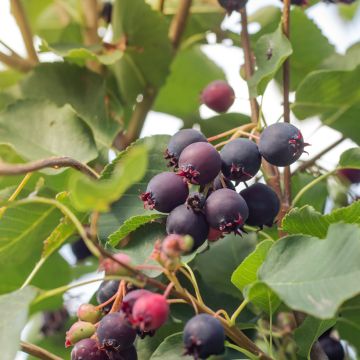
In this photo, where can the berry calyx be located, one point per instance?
(78, 331)
(112, 267)
(114, 333)
(179, 142)
(263, 204)
(281, 144)
(203, 336)
(199, 163)
(87, 349)
(89, 313)
(196, 201)
(226, 210)
(150, 312)
(184, 221)
(241, 159)
(218, 96)
(107, 290)
(165, 192)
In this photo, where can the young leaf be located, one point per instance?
(350, 158)
(312, 275)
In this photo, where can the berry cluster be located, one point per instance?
(216, 208)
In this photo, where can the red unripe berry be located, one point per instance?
(112, 267)
(129, 300)
(150, 312)
(218, 96)
(78, 331)
(89, 313)
(175, 245)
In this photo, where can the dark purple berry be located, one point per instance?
(221, 182)
(87, 349)
(263, 204)
(127, 354)
(185, 221)
(107, 289)
(114, 332)
(179, 142)
(281, 144)
(352, 175)
(218, 96)
(226, 211)
(199, 163)
(80, 250)
(232, 5)
(340, 1)
(298, 2)
(241, 159)
(165, 192)
(204, 336)
(106, 12)
(196, 201)
(332, 348)
(129, 300)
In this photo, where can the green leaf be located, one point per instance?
(22, 230)
(64, 83)
(40, 129)
(349, 61)
(146, 59)
(171, 348)
(130, 205)
(191, 71)
(14, 312)
(350, 159)
(224, 256)
(307, 220)
(262, 296)
(312, 275)
(308, 332)
(271, 50)
(87, 194)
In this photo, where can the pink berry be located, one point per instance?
(218, 96)
(111, 267)
(130, 299)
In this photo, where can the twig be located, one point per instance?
(161, 6)
(15, 62)
(178, 23)
(311, 162)
(24, 26)
(90, 10)
(37, 351)
(56, 162)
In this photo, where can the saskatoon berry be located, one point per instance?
(127, 354)
(89, 313)
(184, 221)
(78, 331)
(80, 250)
(199, 163)
(232, 5)
(220, 181)
(106, 12)
(263, 204)
(129, 301)
(165, 192)
(196, 201)
(87, 349)
(114, 332)
(179, 142)
(204, 336)
(107, 289)
(226, 211)
(332, 348)
(281, 144)
(241, 159)
(352, 175)
(298, 2)
(112, 267)
(218, 96)
(173, 246)
(150, 312)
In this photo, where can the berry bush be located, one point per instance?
(235, 237)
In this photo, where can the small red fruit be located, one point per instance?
(218, 96)
(112, 267)
(130, 299)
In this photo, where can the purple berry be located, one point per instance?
(332, 348)
(185, 221)
(226, 211)
(204, 336)
(106, 12)
(107, 289)
(127, 354)
(220, 181)
(352, 175)
(298, 2)
(232, 5)
(218, 96)
(263, 204)
(80, 250)
(281, 144)
(179, 142)
(199, 163)
(241, 159)
(114, 332)
(165, 192)
(87, 349)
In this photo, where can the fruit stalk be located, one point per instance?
(37, 351)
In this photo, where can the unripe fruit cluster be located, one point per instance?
(217, 208)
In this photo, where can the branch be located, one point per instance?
(311, 162)
(56, 162)
(37, 351)
(90, 9)
(24, 26)
(15, 62)
(178, 23)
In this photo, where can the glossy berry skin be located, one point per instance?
(281, 144)
(184, 221)
(179, 142)
(199, 163)
(165, 192)
(263, 204)
(226, 210)
(332, 348)
(129, 300)
(204, 336)
(107, 289)
(150, 312)
(351, 175)
(241, 159)
(114, 332)
(87, 349)
(127, 354)
(218, 96)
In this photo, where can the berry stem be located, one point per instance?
(237, 312)
(231, 131)
(119, 296)
(168, 290)
(191, 276)
(37, 351)
(107, 302)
